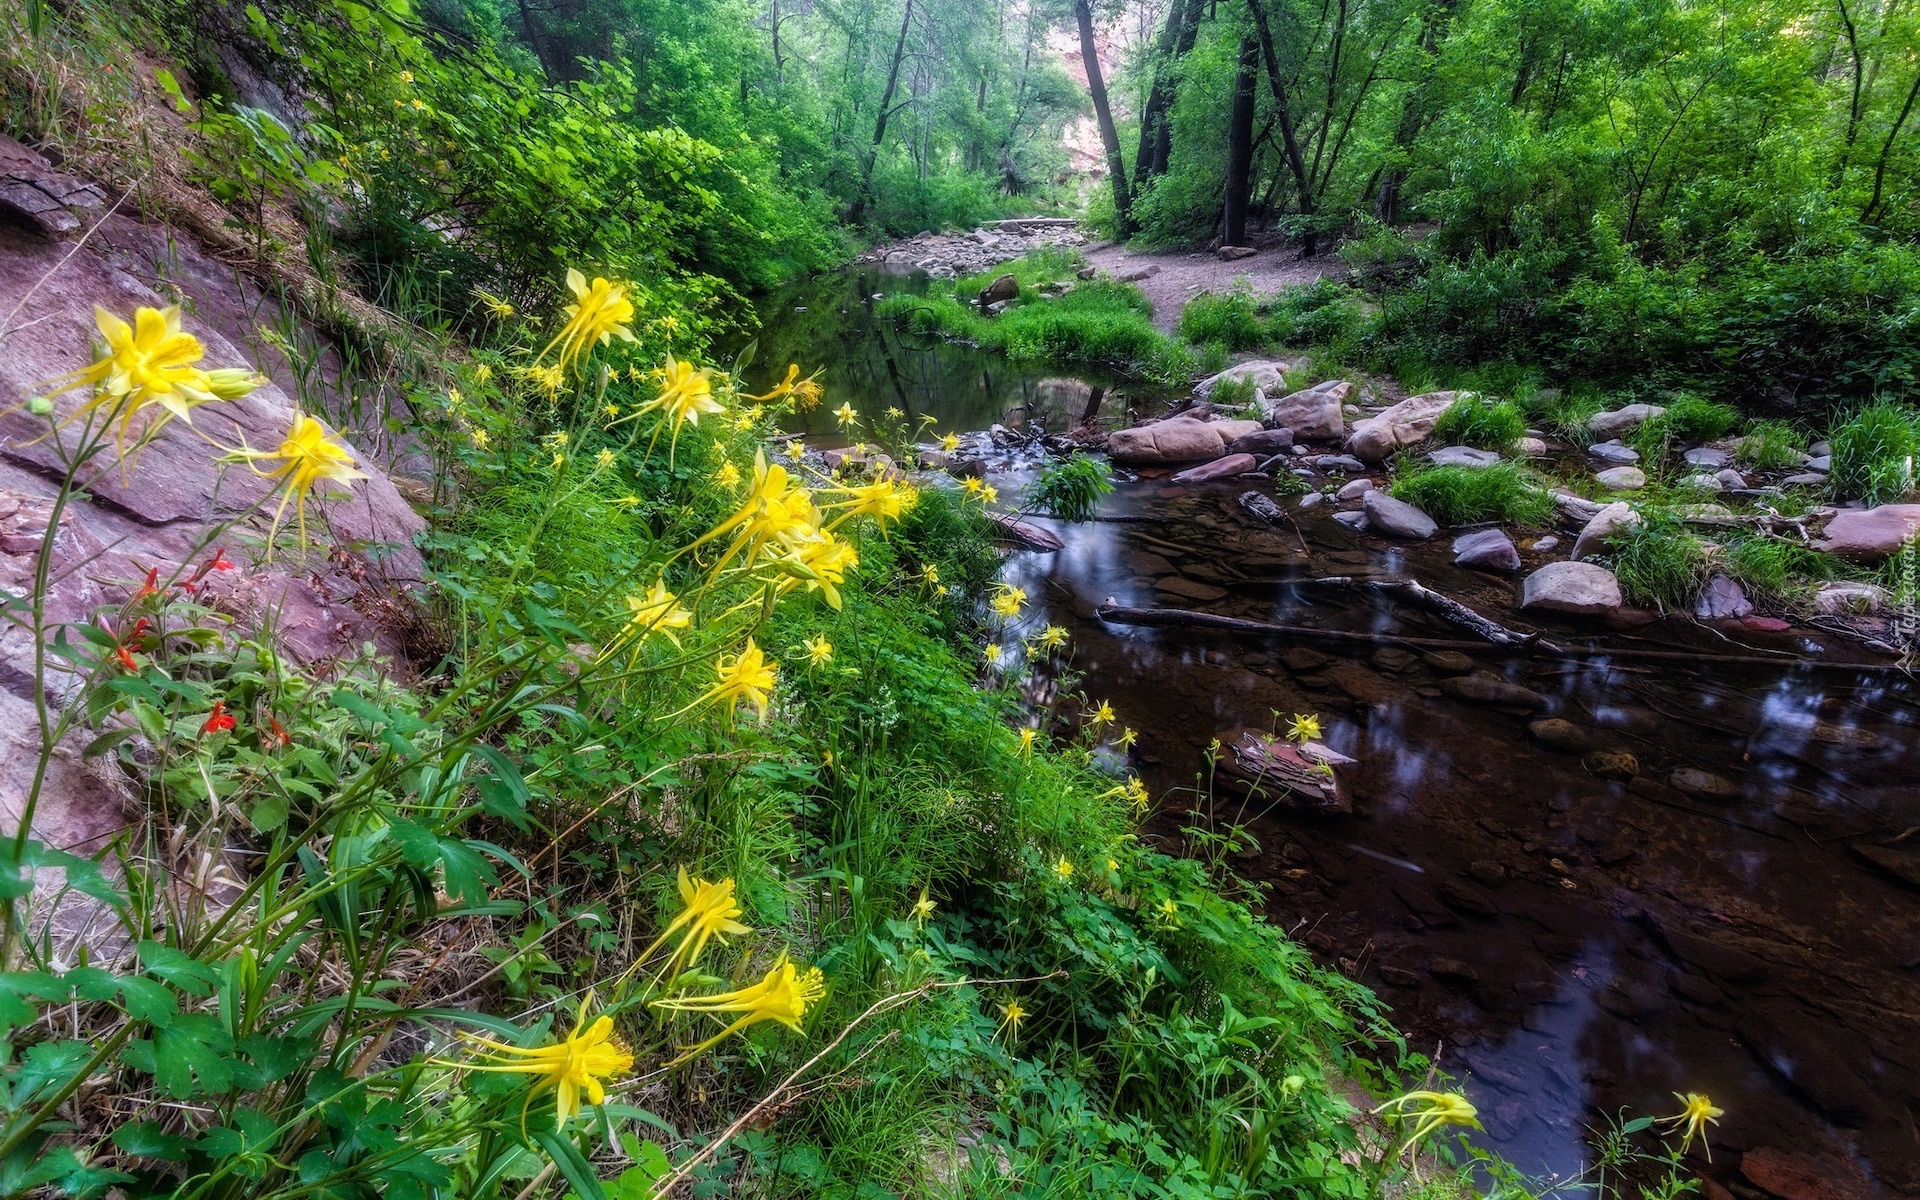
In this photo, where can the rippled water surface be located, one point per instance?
(1570, 944)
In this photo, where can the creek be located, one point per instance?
(1569, 945)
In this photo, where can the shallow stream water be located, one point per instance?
(1569, 945)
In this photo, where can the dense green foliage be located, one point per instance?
(1476, 420)
(1464, 495)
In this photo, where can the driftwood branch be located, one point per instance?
(1451, 609)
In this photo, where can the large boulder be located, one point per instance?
(1264, 442)
(1603, 525)
(1265, 376)
(1407, 423)
(1233, 430)
(1314, 414)
(1622, 421)
(1396, 518)
(1176, 440)
(1582, 589)
(1870, 535)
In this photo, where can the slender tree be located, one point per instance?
(1103, 115)
(1240, 143)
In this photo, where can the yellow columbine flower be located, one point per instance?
(600, 312)
(993, 653)
(883, 500)
(1102, 715)
(784, 995)
(479, 439)
(819, 651)
(1063, 868)
(482, 373)
(149, 363)
(658, 612)
(581, 1063)
(922, 909)
(1430, 1111)
(747, 676)
(972, 484)
(846, 416)
(989, 494)
(494, 304)
(1051, 638)
(604, 459)
(894, 413)
(686, 392)
(548, 379)
(1011, 1014)
(1125, 740)
(1696, 1112)
(728, 476)
(454, 398)
(1132, 790)
(1008, 600)
(708, 911)
(306, 457)
(610, 411)
(819, 561)
(930, 574)
(796, 451)
(950, 443)
(406, 77)
(1027, 737)
(774, 511)
(805, 393)
(1304, 728)
(1167, 909)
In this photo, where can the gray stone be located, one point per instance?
(1493, 690)
(1407, 423)
(1462, 456)
(1577, 588)
(1311, 500)
(1353, 489)
(1707, 456)
(1530, 447)
(1176, 440)
(1602, 526)
(1820, 450)
(1557, 734)
(1622, 421)
(1352, 520)
(1219, 468)
(1804, 479)
(1577, 507)
(1233, 253)
(1614, 452)
(1397, 518)
(1339, 462)
(1547, 543)
(1730, 479)
(1702, 785)
(1840, 598)
(1869, 535)
(1622, 479)
(1263, 443)
(1002, 290)
(1264, 375)
(1722, 599)
(1314, 414)
(1491, 549)
(1822, 463)
(1701, 483)
(1448, 662)
(1612, 764)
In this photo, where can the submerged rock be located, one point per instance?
(1843, 597)
(1557, 734)
(1702, 785)
(1582, 589)
(1612, 764)
(1490, 549)
(1491, 689)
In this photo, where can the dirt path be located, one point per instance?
(1184, 275)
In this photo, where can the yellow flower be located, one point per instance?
(604, 459)
(600, 312)
(728, 476)
(819, 651)
(950, 443)
(1102, 715)
(1430, 1111)
(610, 411)
(1063, 868)
(231, 383)
(858, 449)
(775, 511)
(747, 676)
(883, 500)
(820, 562)
(796, 451)
(306, 457)
(1304, 728)
(1051, 638)
(989, 494)
(658, 612)
(579, 1064)
(805, 393)
(454, 398)
(708, 911)
(1167, 909)
(971, 485)
(1027, 737)
(685, 393)
(1132, 791)
(1113, 864)
(482, 373)
(994, 653)
(559, 460)
(1008, 600)
(495, 305)
(479, 439)
(558, 438)
(1696, 1112)
(930, 574)
(922, 909)
(1125, 740)
(894, 413)
(148, 363)
(406, 77)
(784, 995)
(846, 416)
(548, 379)
(1011, 1014)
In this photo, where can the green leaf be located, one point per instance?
(48, 1066)
(574, 1168)
(270, 813)
(182, 970)
(148, 1139)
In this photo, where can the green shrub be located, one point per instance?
(1475, 420)
(1463, 495)
(1321, 313)
(1694, 420)
(1072, 488)
(1231, 320)
(1771, 446)
(1659, 562)
(1873, 453)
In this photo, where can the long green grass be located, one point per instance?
(1480, 421)
(1464, 495)
(1873, 453)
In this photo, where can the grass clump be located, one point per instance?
(1231, 320)
(1464, 495)
(1475, 420)
(1873, 453)
(1771, 446)
(1773, 569)
(1659, 561)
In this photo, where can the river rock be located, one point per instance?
(1578, 508)
(1190, 589)
(1795, 1176)
(1493, 690)
(1255, 759)
(1722, 599)
(1622, 479)
(1491, 549)
(1602, 526)
(1611, 764)
(1027, 535)
(1900, 863)
(1447, 662)
(1730, 479)
(1547, 543)
(1175, 440)
(1315, 414)
(1232, 429)
(1352, 519)
(1622, 421)
(1557, 734)
(1579, 588)
(1219, 468)
(1707, 456)
(1530, 447)
(1265, 375)
(1262, 507)
(1397, 518)
(1311, 500)
(1822, 463)
(1462, 456)
(1353, 489)
(1004, 289)
(1407, 423)
(1452, 970)
(1262, 443)
(1849, 598)
(1614, 452)
(1702, 785)
(1346, 463)
(1869, 535)
(1059, 391)
(1701, 483)
(1804, 479)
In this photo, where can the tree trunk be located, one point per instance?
(1413, 111)
(865, 195)
(1284, 114)
(1163, 131)
(1109, 137)
(1240, 143)
(1160, 96)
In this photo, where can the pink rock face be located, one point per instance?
(1219, 468)
(1407, 423)
(1870, 535)
(1179, 440)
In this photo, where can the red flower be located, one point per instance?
(121, 645)
(219, 720)
(151, 587)
(277, 736)
(220, 560)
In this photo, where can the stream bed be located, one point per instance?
(1568, 938)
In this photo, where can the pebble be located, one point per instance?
(1311, 500)
(1622, 479)
(1614, 452)
(1450, 662)
(1612, 764)
(1354, 489)
(1557, 734)
(1549, 542)
(1703, 785)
